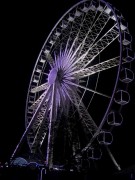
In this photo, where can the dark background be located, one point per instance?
(26, 27)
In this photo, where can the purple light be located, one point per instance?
(52, 76)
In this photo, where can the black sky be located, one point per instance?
(26, 27)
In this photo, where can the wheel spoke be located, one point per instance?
(94, 31)
(37, 89)
(81, 31)
(86, 120)
(86, 58)
(88, 89)
(49, 58)
(84, 72)
(42, 87)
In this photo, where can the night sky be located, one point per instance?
(26, 27)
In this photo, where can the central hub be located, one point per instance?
(60, 75)
(52, 76)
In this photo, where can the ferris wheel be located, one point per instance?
(79, 85)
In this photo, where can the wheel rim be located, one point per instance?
(49, 53)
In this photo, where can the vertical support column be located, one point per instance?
(49, 157)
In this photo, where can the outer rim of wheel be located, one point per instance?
(118, 71)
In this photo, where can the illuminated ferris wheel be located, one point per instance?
(79, 85)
